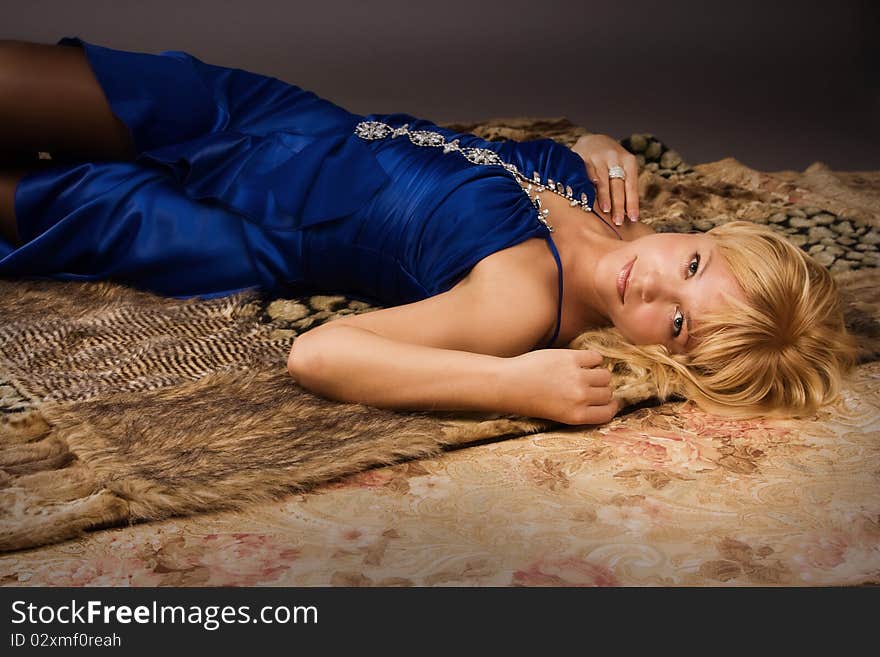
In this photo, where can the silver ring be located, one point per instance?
(617, 172)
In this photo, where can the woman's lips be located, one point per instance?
(623, 278)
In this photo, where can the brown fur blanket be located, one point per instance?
(120, 406)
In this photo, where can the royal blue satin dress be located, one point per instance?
(242, 180)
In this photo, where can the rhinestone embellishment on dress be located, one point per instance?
(372, 130)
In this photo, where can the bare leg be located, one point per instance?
(50, 101)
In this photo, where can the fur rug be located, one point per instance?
(121, 406)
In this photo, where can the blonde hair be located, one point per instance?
(784, 352)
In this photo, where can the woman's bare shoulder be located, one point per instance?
(530, 258)
(527, 274)
(502, 307)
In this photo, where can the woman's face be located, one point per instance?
(670, 280)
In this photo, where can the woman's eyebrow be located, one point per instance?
(687, 314)
(708, 262)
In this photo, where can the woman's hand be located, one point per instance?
(566, 385)
(601, 152)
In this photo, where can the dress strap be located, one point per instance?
(559, 267)
(559, 308)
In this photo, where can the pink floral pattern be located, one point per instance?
(663, 496)
(564, 572)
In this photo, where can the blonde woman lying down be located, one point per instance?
(190, 179)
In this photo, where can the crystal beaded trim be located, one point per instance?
(372, 130)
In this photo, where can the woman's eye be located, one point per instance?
(694, 265)
(677, 323)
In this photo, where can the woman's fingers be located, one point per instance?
(599, 377)
(618, 200)
(595, 380)
(631, 167)
(599, 395)
(597, 388)
(591, 172)
(587, 358)
(597, 414)
(619, 197)
(603, 192)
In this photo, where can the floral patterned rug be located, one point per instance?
(663, 496)
(668, 496)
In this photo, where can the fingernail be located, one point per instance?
(634, 218)
(618, 221)
(606, 208)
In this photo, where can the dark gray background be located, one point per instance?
(778, 85)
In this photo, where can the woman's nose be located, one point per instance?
(650, 287)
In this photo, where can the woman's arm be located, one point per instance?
(444, 352)
(465, 349)
(348, 363)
